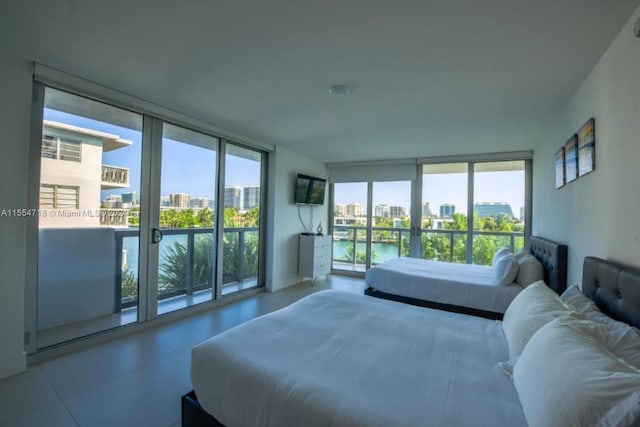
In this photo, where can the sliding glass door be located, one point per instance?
(188, 187)
(350, 224)
(129, 208)
(241, 240)
(371, 223)
(88, 217)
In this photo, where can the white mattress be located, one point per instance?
(465, 285)
(340, 359)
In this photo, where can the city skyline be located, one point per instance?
(189, 168)
(192, 169)
(247, 197)
(483, 209)
(440, 189)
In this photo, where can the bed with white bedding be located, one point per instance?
(339, 359)
(342, 359)
(466, 288)
(465, 285)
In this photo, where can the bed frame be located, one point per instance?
(552, 256)
(613, 287)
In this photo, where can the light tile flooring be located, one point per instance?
(59, 334)
(137, 380)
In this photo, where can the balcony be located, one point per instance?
(186, 265)
(114, 217)
(114, 177)
(436, 245)
(90, 290)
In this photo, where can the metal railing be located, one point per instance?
(350, 233)
(240, 261)
(115, 175)
(400, 238)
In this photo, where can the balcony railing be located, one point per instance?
(115, 177)
(436, 244)
(114, 217)
(187, 262)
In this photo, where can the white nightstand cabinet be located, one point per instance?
(314, 256)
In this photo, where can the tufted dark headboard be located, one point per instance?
(553, 257)
(614, 287)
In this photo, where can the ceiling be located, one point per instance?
(428, 77)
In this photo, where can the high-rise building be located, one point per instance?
(200, 203)
(113, 201)
(180, 200)
(382, 211)
(426, 210)
(340, 210)
(250, 197)
(354, 209)
(396, 211)
(165, 201)
(522, 213)
(486, 209)
(233, 197)
(132, 198)
(447, 210)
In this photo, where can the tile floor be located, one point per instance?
(59, 334)
(136, 380)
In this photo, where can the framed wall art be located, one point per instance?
(560, 177)
(587, 147)
(571, 159)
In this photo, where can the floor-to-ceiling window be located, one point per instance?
(455, 211)
(129, 208)
(89, 207)
(498, 208)
(242, 210)
(444, 212)
(470, 209)
(391, 220)
(188, 187)
(350, 222)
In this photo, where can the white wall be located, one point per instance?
(598, 214)
(15, 105)
(282, 252)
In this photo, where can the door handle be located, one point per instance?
(156, 235)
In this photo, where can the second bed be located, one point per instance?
(465, 288)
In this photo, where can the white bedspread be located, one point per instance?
(340, 359)
(466, 285)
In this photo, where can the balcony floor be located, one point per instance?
(57, 335)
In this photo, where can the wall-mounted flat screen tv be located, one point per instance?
(309, 190)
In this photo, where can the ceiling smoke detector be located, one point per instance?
(339, 90)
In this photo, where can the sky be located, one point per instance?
(191, 169)
(185, 168)
(438, 189)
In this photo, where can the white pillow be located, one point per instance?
(505, 270)
(535, 306)
(567, 376)
(574, 297)
(623, 338)
(529, 270)
(504, 250)
(522, 252)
